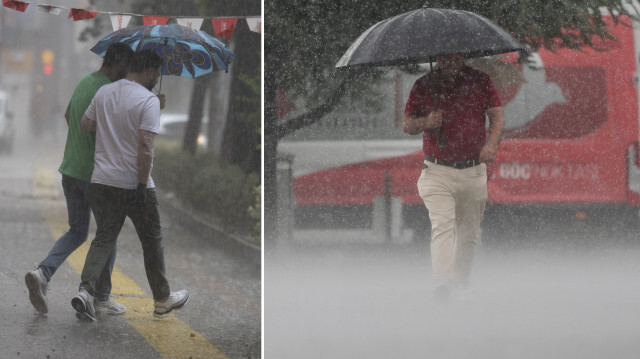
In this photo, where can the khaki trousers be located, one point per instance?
(456, 200)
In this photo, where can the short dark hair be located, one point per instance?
(117, 53)
(145, 60)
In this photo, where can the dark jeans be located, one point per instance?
(111, 206)
(76, 192)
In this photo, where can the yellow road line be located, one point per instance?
(170, 337)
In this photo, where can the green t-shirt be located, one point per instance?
(81, 145)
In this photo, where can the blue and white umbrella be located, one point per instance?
(185, 52)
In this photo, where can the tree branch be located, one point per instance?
(314, 115)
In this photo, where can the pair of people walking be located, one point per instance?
(107, 170)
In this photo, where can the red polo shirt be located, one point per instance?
(463, 100)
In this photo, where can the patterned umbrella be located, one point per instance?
(185, 52)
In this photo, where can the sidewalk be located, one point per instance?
(228, 243)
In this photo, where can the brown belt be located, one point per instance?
(459, 165)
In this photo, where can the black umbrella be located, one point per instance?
(421, 35)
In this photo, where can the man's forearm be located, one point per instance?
(145, 155)
(414, 125)
(496, 126)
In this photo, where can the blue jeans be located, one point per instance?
(111, 206)
(76, 193)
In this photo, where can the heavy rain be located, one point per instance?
(348, 266)
(206, 171)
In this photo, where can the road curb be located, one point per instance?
(228, 243)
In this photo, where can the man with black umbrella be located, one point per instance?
(449, 107)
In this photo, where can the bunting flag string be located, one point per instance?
(222, 26)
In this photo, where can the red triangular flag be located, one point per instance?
(15, 5)
(224, 27)
(155, 20)
(82, 14)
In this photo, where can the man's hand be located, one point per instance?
(434, 120)
(141, 195)
(488, 153)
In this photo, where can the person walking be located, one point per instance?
(449, 107)
(125, 116)
(76, 169)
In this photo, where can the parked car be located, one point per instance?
(7, 131)
(173, 125)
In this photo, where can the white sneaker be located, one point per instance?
(37, 286)
(176, 300)
(109, 306)
(83, 304)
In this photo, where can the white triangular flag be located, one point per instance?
(192, 23)
(120, 21)
(50, 9)
(255, 24)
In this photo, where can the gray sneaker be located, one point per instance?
(176, 300)
(83, 304)
(37, 286)
(109, 306)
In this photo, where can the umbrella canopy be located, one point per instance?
(421, 35)
(185, 52)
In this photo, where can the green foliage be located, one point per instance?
(223, 191)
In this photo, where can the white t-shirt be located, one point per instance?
(120, 110)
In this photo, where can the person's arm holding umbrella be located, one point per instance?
(415, 125)
(88, 124)
(419, 114)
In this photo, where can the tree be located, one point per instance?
(240, 139)
(306, 38)
(240, 142)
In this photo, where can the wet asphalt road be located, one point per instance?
(546, 284)
(225, 302)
